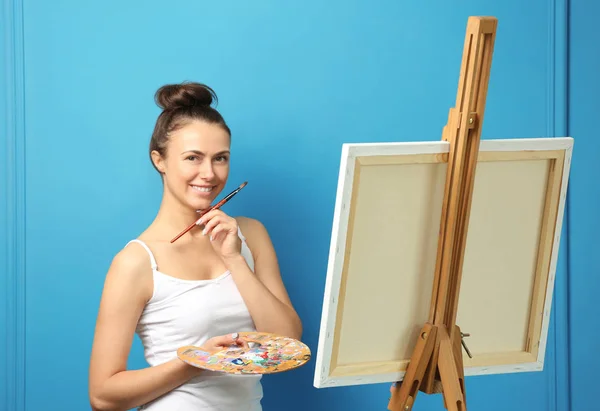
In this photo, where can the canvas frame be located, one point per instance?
(329, 371)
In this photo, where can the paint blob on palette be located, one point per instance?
(267, 354)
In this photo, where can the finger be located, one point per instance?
(205, 219)
(217, 213)
(224, 223)
(210, 224)
(242, 343)
(234, 339)
(221, 229)
(212, 214)
(220, 342)
(214, 233)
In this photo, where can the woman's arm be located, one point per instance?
(127, 288)
(263, 291)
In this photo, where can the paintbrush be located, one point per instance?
(216, 206)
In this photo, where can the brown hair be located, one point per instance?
(182, 103)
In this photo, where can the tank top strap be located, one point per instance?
(152, 259)
(246, 252)
(240, 234)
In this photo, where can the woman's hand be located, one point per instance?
(224, 341)
(213, 345)
(223, 232)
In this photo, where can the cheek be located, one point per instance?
(222, 172)
(183, 172)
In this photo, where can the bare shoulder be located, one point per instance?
(257, 237)
(250, 225)
(132, 259)
(255, 232)
(130, 270)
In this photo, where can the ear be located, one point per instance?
(158, 161)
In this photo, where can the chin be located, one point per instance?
(199, 204)
(201, 201)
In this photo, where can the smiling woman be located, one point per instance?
(198, 156)
(198, 291)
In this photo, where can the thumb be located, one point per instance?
(232, 339)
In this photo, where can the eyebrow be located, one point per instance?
(200, 153)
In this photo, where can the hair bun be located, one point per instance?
(174, 96)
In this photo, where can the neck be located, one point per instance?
(174, 216)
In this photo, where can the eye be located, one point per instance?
(191, 157)
(221, 159)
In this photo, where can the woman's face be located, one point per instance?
(196, 166)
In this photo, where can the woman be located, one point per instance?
(218, 279)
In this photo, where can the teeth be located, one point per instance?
(202, 189)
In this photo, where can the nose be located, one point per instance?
(206, 170)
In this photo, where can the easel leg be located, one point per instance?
(430, 383)
(403, 396)
(458, 357)
(452, 384)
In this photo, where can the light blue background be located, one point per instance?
(295, 80)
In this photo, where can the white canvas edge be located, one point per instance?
(333, 277)
(338, 237)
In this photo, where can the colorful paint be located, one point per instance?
(267, 354)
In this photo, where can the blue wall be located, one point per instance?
(294, 82)
(584, 204)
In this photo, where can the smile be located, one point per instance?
(202, 189)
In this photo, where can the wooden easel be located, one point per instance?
(437, 357)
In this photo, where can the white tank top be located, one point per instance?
(189, 312)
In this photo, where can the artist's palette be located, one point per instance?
(267, 354)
